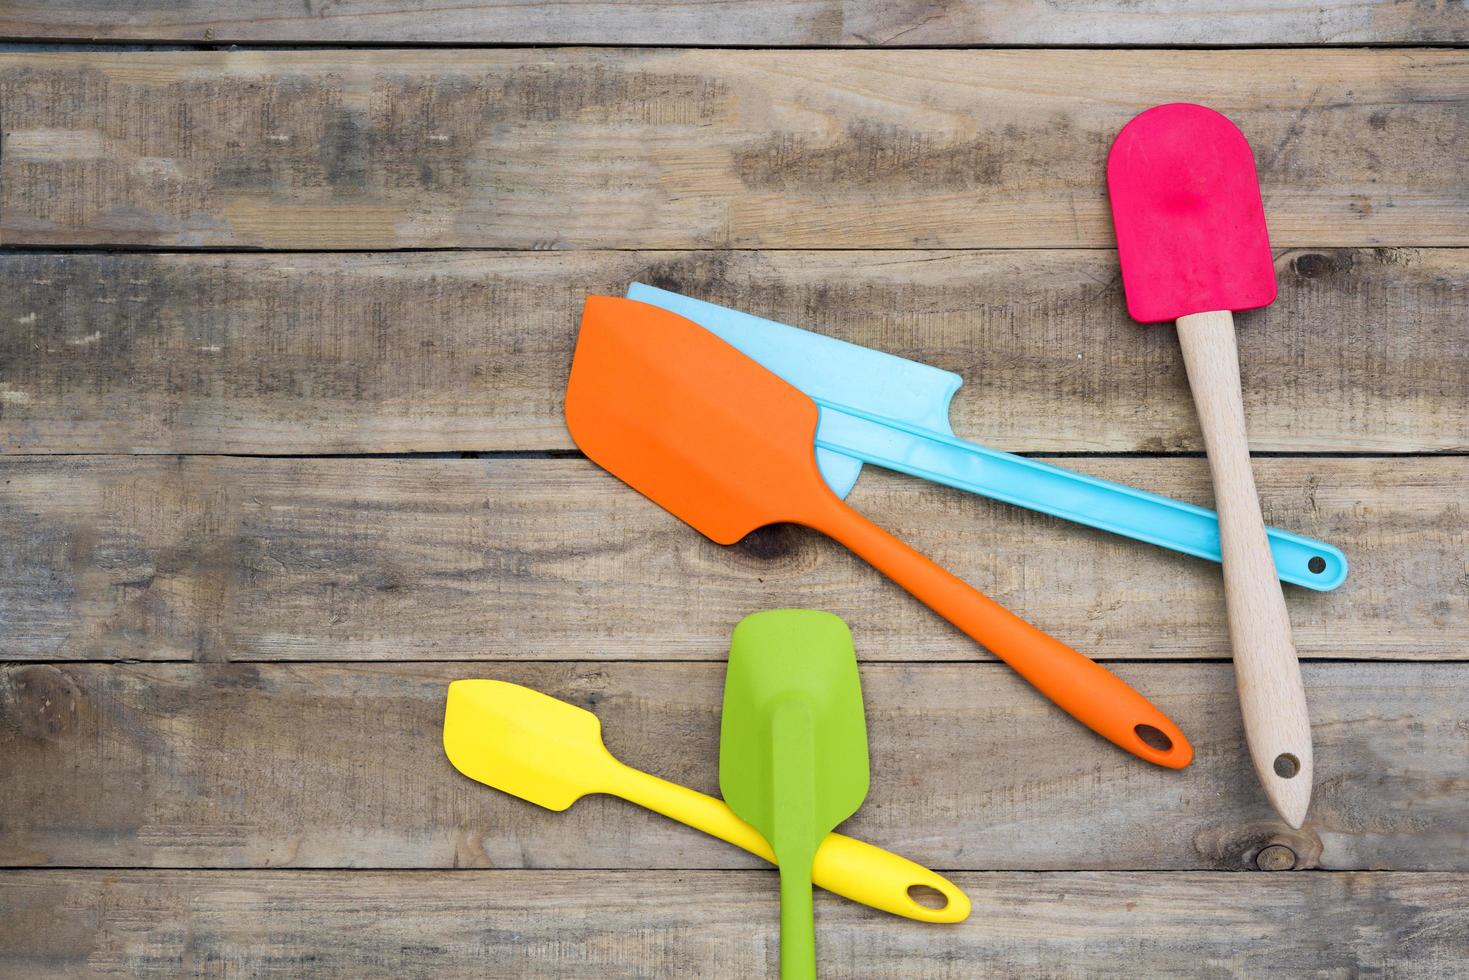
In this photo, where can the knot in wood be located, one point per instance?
(1275, 857)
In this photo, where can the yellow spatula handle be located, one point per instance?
(844, 865)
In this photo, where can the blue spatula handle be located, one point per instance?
(1063, 493)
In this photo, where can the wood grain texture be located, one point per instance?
(190, 765)
(699, 148)
(1364, 351)
(509, 924)
(831, 189)
(773, 23)
(512, 559)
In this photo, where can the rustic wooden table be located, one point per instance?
(286, 310)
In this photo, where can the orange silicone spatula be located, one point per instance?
(728, 447)
(1192, 241)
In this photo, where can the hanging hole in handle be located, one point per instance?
(929, 898)
(1153, 738)
(1317, 564)
(1286, 765)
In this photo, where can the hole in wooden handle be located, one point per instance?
(929, 898)
(1153, 738)
(1286, 765)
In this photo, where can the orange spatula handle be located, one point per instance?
(1083, 689)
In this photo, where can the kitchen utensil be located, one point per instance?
(548, 752)
(1192, 241)
(728, 447)
(793, 751)
(884, 409)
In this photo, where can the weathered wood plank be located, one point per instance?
(1158, 22)
(771, 23)
(189, 765)
(699, 148)
(204, 558)
(721, 924)
(1365, 350)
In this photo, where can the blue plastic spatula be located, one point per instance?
(883, 409)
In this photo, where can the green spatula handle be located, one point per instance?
(794, 794)
(797, 922)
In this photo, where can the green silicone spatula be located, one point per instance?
(793, 751)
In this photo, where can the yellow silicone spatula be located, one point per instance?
(550, 753)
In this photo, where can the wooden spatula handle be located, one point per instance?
(1272, 698)
(1082, 688)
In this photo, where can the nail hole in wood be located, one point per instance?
(1153, 738)
(1286, 765)
(929, 898)
(1317, 565)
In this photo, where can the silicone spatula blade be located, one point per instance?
(1194, 248)
(728, 447)
(793, 751)
(550, 753)
(879, 408)
(1190, 223)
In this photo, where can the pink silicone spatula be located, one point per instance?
(1192, 241)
